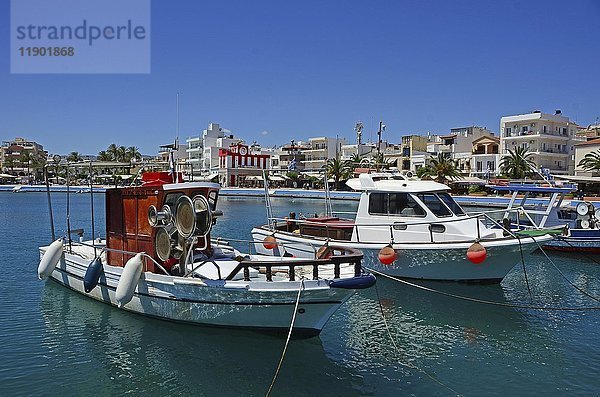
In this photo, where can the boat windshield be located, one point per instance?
(449, 201)
(434, 204)
(400, 204)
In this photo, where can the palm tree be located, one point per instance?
(379, 161)
(517, 164)
(10, 163)
(25, 160)
(424, 171)
(112, 152)
(337, 169)
(355, 160)
(104, 156)
(132, 153)
(74, 157)
(294, 177)
(591, 161)
(442, 168)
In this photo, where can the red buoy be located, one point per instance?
(476, 253)
(387, 255)
(270, 242)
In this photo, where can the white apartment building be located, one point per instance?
(289, 157)
(459, 144)
(321, 150)
(549, 137)
(348, 151)
(203, 151)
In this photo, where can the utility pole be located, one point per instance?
(379, 131)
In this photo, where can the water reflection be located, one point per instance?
(124, 352)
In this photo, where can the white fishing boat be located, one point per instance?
(410, 229)
(581, 219)
(158, 260)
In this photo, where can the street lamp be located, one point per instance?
(379, 131)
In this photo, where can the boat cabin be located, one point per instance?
(398, 209)
(151, 218)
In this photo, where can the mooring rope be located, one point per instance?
(467, 298)
(584, 292)
(397, 349)
(287, 341)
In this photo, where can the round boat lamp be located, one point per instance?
(185, 217)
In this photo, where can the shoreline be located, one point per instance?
(479, 201)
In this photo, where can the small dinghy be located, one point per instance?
(158, 260)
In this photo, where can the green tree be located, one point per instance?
(380, 162)
(25, 159)
(113, 152)
(104, 156)
(424, 171)
(442, 168)
(132, 153)
(338, 170)
(10, 163)
(294, 177)
(591, 161)
(74, 157)
(517, 164)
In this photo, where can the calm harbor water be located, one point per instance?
(54, 341)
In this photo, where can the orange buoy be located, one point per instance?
(387, 255)
(476, 253)
(270, 242)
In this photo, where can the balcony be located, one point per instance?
(528, 133)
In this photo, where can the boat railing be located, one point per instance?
(302, 247)
(120, 251)
(335, 256)
(485, 217)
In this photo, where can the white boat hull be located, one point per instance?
(257, 305)
(437, 261)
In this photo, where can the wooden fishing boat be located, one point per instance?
(158, 260)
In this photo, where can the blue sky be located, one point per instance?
(272, 71)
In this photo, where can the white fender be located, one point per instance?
(129, 279)
(50, 259)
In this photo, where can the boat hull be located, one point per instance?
(211, 303)
(439, 261)
(572, 243)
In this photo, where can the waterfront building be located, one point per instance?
(485, 157)
(412, 145)
(289, 157)
(592, 131)
(321, 149)
(240, 163)
(549, 137)
(581, 149)
(23, 158)
(361, 149)
(458, 144)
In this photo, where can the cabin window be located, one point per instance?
(432, 202)
(449, 201)
(400, 204)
